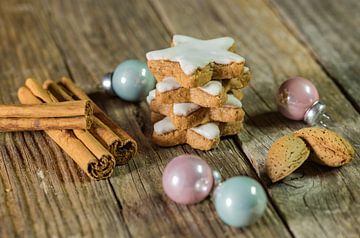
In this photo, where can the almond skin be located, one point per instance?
(330, 149)
(286, 155)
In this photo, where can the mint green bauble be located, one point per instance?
(132, 80)
(240, 201)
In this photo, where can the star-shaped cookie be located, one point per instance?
(187, 115)
(193, 62)
(203, 137)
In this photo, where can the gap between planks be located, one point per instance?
(235, 140)
(297, 35)
(69, 71)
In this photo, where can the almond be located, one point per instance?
(286, 155)
(330, 149)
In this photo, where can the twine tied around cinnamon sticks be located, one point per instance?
(74, 122)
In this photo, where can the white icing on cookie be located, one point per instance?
(212, 87)
(151, 96)
(164, 126)
(246, 69)
(232, 101)
(184, 109)
(181, 39)
(167, 84)
(209, 130)
(192, 53)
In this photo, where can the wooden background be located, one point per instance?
(44, 194)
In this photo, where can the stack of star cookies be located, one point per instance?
(198, 94)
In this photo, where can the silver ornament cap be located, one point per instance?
(106, 84)
(314, 112)
(217, 177)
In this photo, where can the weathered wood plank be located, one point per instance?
(331, 31)
(315, 201)
(42, 192)
(99, 42)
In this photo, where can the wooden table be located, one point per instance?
(44, 194)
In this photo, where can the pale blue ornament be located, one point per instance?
(131, 81)
(240, 201)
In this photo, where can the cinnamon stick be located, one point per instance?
(120, 144)
(32, 117)
(59, 109)
(101, 131)
(38, 124)
(81, 146)
(60, 93)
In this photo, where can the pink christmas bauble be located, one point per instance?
(295, 97)
(187, 179)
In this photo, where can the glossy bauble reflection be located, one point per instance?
(187, 179)
(240, 201)
(131, 81)
(295, 97)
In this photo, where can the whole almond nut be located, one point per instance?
(330, 148)
(285, 155)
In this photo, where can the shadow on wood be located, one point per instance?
(271, 120)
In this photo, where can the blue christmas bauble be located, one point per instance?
(240, 201)
(132, 80)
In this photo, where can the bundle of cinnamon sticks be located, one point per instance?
(74, 122)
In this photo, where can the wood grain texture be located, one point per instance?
(331, 31)
(147, 211)
(43, 193)
(315, 201)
